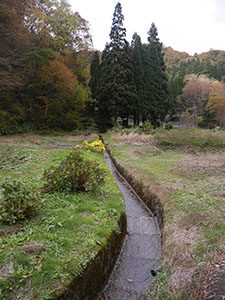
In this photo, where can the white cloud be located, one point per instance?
(191, 26)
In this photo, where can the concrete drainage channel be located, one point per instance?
(140, 254)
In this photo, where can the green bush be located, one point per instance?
(145, 128)
(8, 123)
(168, 126)
(18, 202)
(76, 172)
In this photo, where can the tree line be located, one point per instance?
(129, 81)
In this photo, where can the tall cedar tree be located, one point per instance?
(95, 73)
(156, 82)
(137, 55)
(117, 92)
(94, 85)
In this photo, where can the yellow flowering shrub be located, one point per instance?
(96, 146)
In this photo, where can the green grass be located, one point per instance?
(71, 228)
(194, 137)
(190, 185)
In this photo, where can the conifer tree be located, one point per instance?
(137, 55)
(117, 91)
(105, 90)
(94, 86)
(95, 74)
(156, 82)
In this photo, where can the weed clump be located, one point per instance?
(145, 128)
(18, 203)
(75, 173)
(13, 158)
(168, 126)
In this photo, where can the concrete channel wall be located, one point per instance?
(94, 278)
(150, 199)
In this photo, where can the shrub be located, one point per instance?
(96, 146)
(8, 123)
(76, 172)
(127, 131)
(117, 128)
(145, 128)
(18, 203)
(168, 126)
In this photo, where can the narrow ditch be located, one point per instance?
(140, 254)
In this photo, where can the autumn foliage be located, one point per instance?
(44, 62)
(216, 102)
(202, 101)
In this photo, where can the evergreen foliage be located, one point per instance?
(94, 85)
(95, 74)
(137, 55)
(77, 172)
(117, 95)
(156, 82)
(132, 82)
(19, 202)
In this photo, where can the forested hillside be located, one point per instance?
(44, 65)
(196, 85)
(180, 64)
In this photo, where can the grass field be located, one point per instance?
(186, 169)
(69, 230)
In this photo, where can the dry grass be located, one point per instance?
(78, 138)
(181, 278)
(202, 163)
(10, 230)
(134, 139)
(49, 141)
(210, 282)
(33, 248)
(6, 270)
(180, 248)
(216, 278)
(192, 219)
(24, 293)
(179, 235)
(147, 150)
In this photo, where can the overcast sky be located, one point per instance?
(193, 26)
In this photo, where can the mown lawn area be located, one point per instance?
(69, 230)
(185, 168)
